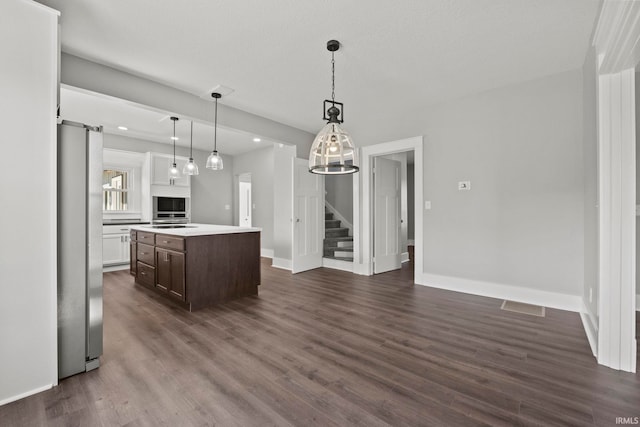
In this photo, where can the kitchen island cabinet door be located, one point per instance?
(170, 273)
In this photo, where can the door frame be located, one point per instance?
(615, 39)
(363, 204)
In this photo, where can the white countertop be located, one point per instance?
(196, 229)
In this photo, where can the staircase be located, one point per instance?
(337, 242)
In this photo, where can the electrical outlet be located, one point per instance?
(227, 207)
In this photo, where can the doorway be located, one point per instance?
(365, 209)
(245, 206)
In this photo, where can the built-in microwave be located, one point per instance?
(170, 210)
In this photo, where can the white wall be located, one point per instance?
(28, 316)
(259, 164)
(210, 190)
(522, 223)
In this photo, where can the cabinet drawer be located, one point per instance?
(146, 253)
(132, 235)
(115, 229)
(146, 274)
(145, 237)
(170, 242)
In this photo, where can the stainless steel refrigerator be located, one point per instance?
(79, 248)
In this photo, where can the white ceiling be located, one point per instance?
(396, 56)
(153, 125)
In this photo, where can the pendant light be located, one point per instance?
(333, 151)
(174, 173)
(190, 168)
(214, 161)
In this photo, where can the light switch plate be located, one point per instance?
(427, 204)
(227, 207)
(464, 185)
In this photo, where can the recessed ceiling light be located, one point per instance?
(174, 138)
(256, 139)
(123, 128)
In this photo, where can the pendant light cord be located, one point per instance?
(333, 78)
(191, 143)
(174, 142)
(215, 129)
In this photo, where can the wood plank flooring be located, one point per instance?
(330, 348)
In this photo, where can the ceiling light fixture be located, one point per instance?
(174, 173)
(123, 128)
(333, 151)
(214, 161)
(190, 168)
(256, 140)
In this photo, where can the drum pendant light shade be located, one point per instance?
(333, 151)
(214, 161)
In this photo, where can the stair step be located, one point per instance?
(347, 259)
(334, 251)
(343, 253)
(334, 242)
(336, 232)
(328, 215)
(331, 223)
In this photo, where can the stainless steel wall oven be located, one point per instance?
(172, 210)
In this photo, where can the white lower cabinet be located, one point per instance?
(115, 245)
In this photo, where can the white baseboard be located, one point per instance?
(118, 267)
(590, 328)
(361, 269)
(26, 394)
(284, 264)
(501, 291)
(337, 264)
(404, 257)
(266, 253)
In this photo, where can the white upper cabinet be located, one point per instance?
(160, 164)
(157, 179)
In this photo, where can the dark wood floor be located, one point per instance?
(333, 349)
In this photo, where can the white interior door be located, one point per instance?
(308, 219)
(244, 208)
(386, 215)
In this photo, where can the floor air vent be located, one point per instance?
(520, 307)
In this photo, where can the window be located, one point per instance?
(115, 190)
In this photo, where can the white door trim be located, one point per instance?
(363, 228)
(615, 39)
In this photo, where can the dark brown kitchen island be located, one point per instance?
(196, 265)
